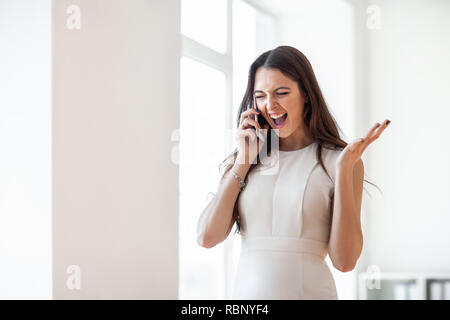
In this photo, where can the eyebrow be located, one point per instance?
(273, 90)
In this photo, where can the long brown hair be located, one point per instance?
(322, 126)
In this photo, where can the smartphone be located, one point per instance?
(258, 117)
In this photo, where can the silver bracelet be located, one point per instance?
(240, 181)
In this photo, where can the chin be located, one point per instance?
(283, 133)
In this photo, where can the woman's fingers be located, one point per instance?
(250, 121)
(245, 114)
(247, 133)
(374, 134)
(371, 132)
(380, 128)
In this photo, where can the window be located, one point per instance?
(205, 21)
(202, 140)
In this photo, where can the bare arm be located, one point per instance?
(346, 239)
(216, 220)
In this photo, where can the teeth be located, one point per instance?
(279, 116)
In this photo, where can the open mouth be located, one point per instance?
(279, 120)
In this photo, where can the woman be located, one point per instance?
(289, 218)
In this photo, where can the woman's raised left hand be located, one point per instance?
(353, 151)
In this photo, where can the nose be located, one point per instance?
(271, 105)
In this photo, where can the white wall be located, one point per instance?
(115, 106)
(408, 81)
(25, 142)
(324, 34)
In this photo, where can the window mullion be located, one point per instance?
(206, 55)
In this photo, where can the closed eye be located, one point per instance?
(280, 93)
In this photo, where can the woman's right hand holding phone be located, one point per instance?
(249, 145)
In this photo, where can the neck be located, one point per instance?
(297, 140)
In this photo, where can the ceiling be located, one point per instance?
(289, 7)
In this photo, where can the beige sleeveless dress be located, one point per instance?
(285, 225)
